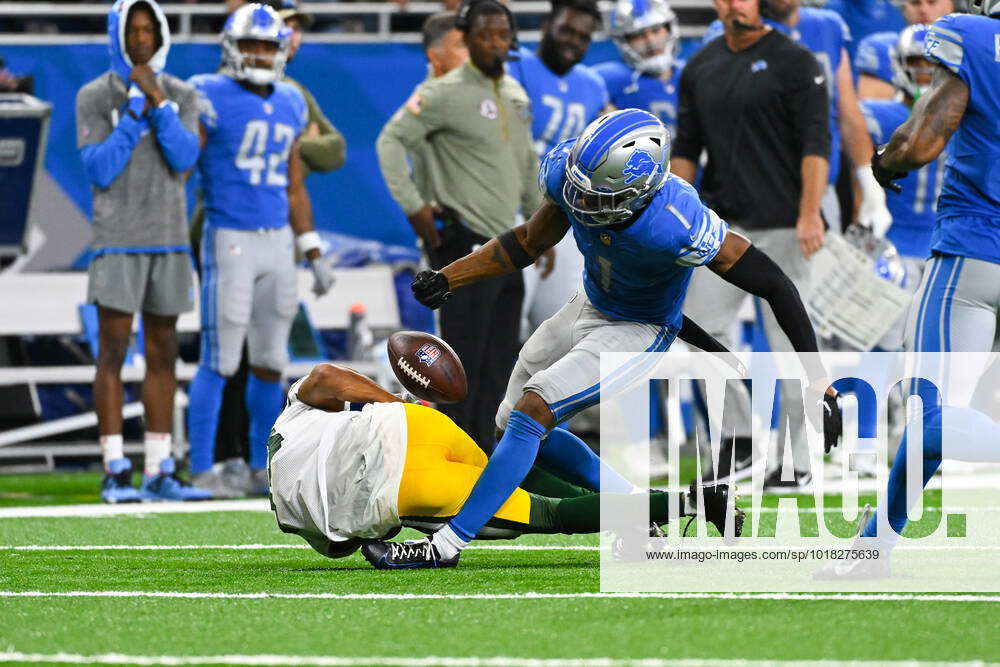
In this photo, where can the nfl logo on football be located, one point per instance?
(428, 354)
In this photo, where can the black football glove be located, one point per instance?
(431, 288)
(833, 422)
(885, 177)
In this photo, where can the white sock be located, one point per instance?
(157, 449)
(112, 448)
(447, 543)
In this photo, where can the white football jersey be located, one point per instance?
(336, 475)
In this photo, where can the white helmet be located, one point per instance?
(261, 23)
(909, 45)
(616, 166)
(632, 16)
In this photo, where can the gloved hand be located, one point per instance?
(883, 176)
(323, 278)
(873, 213)
(431, 288)
(833, 422)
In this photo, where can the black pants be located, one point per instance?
(482, 323)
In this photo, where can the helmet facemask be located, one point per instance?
(653, 57)
(261, 24)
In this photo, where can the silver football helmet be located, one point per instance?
(633, 16)
(910, 45)
(985, 7)
(616, 166)
(261, 23)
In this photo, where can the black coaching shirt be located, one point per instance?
(756, 112)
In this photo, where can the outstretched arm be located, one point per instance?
(935, 118)
(741, 264)
(329, 386)
(504, 254)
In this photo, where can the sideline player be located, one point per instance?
(872, 61)
(138, 136)
(340, 478)
(959, 297)
(255, 201)
(913, 209)
(647, 35)
(565, 96)
(641, 232)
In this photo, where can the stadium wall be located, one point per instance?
(358, 85)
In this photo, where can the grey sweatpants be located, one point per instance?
(714, 304)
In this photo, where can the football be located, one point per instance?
(427, 367)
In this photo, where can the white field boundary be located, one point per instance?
(428, 661)
(783, 597)
(474, 547)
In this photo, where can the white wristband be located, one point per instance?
(308, 241)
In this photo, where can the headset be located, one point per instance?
(462, 22)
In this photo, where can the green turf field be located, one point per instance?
(226, 587)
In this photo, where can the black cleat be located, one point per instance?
(735, 462)
(717, 499)
(408, 555)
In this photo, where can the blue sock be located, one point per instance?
(263, 405)
(511, 461)
(897, 505)
(204, 404)
(570, 457)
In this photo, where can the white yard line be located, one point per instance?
(785, 597)
(428, 661)
(100, 510)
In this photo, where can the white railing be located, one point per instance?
(382, 12)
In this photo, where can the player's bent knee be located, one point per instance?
(535, 407)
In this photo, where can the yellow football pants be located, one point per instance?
(442, 465)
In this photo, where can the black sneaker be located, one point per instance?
(717, 498)
(802, 482)
(735, 462)
(408, 555)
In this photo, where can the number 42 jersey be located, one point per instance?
(244, 164)
(640, 272)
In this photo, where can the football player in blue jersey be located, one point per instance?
(257, 212)
(565, 96)
(825, 34)
(647, 35)
(872, 60)
(959, 296)
(641, 232)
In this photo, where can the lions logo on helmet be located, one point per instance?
(616, 166)
(634, 16)
(259, 23)
(904, 75)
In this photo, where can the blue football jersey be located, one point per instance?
(561, 106)
(865, 18)
(641, 273)
(244, 164)
(969, 206)
(629, 89)
(873, 56)
(914, 209)
(825, 34)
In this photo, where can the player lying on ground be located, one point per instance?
(641, 232)
(341, 477)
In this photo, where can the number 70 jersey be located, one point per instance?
(244, 164)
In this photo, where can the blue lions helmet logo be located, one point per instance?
(639, 164)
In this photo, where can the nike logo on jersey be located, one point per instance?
(819, 80)
(758, 66)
